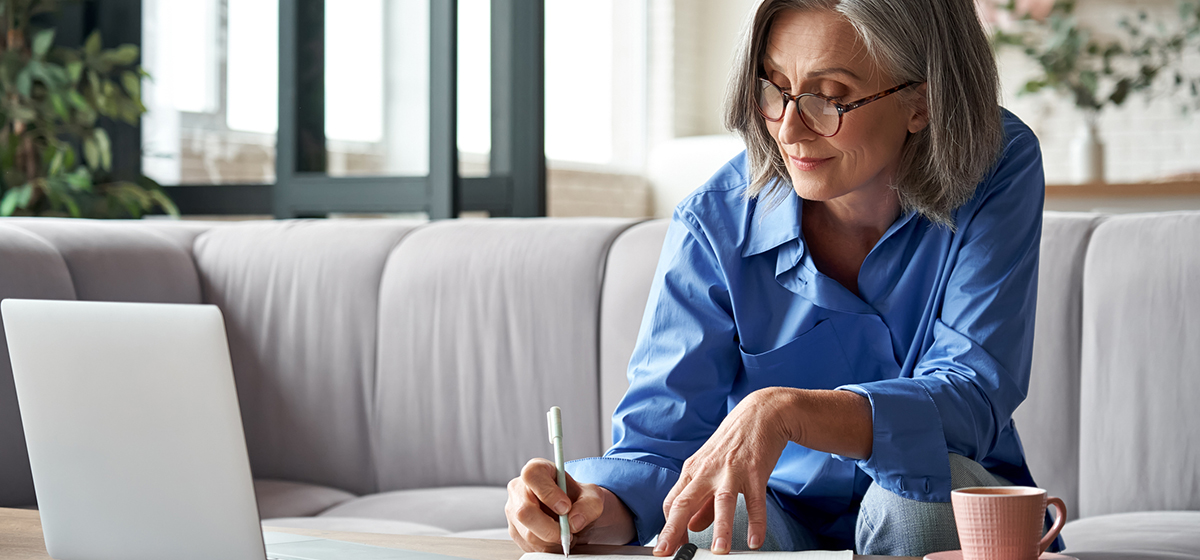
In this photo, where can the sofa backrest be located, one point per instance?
(627, 277)
(301, 301)
(1140, 389)
(437, 372)
(102, 261)
(483, 326)
(123, 260)
(346, 377)
(31, 268)
(1048, 420)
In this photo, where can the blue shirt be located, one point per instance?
(939, 338)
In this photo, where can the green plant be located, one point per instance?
(1146, 58)
(52, 100)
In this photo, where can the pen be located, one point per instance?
(554, 419)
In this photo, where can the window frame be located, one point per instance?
(514, 187)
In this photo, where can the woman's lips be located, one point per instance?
(807, 163)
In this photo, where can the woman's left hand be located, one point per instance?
(737, 459)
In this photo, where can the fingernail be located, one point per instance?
(720, 545)
(576, 522)
(562, 507)
(755, 542)
(660, 547)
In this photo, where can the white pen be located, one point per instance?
(554, 419)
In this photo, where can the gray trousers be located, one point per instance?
(888, 525)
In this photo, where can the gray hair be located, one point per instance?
(939, 42)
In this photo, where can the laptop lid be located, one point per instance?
(134, 433)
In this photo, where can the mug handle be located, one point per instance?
(1059, 520)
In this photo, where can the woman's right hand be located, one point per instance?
(535, 501)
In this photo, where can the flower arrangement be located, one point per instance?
(1146, 58)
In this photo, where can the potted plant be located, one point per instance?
(55, 157)
(1145, 58)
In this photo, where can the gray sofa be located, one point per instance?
(395, 375)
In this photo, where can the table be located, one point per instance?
(21, 539)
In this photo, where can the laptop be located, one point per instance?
(135, 437)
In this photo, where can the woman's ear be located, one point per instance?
(920, 105)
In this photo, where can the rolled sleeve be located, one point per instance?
(960, 394)
(642, 486)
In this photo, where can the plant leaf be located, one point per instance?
(56, 163)
(80, 179)
(105, 147)
(8, 203)
(1120, 92)
(132, 85)
(68, 156)
(14, 197)
(60, 107)
(92, 45)
(165, 202)
(91, 153)
(42, 42)
(72, 206)
(123, 55)
(74, 71)
(78, 101)
(25, 82)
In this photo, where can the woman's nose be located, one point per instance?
(792, 128)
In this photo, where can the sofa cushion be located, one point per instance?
(1140, 380)
(1151, 534)
(355, 525)
(31, 268)
(283, 498)
(1048, 420)
(300, 300)
(121, 260)
(483, 326)
(462, 508)
(627, 278)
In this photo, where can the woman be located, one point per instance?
(841, 322)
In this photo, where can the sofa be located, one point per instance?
(394, 375)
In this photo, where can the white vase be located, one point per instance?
(1087, 152)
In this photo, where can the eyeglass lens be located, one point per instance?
(820, 115)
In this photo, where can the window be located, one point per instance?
(310, 107)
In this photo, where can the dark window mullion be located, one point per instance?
(443, 109)
(518, 117)
(285, 146)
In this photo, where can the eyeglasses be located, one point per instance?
(820, 114)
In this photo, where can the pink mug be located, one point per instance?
(1004, 522)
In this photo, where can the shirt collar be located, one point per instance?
(774, 221)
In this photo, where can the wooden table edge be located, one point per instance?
(21, 539)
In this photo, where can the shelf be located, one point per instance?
(1125, 190)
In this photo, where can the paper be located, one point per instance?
(705, 554)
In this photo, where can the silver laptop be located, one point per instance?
(135, 438)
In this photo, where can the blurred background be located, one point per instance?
(431, 108)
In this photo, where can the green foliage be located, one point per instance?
(1146, 58)
(52, 101)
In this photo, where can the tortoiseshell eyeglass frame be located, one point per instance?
(842, 108)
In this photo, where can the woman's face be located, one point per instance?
(819, 51)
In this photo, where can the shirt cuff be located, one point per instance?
(640, 485)
(909, 456)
